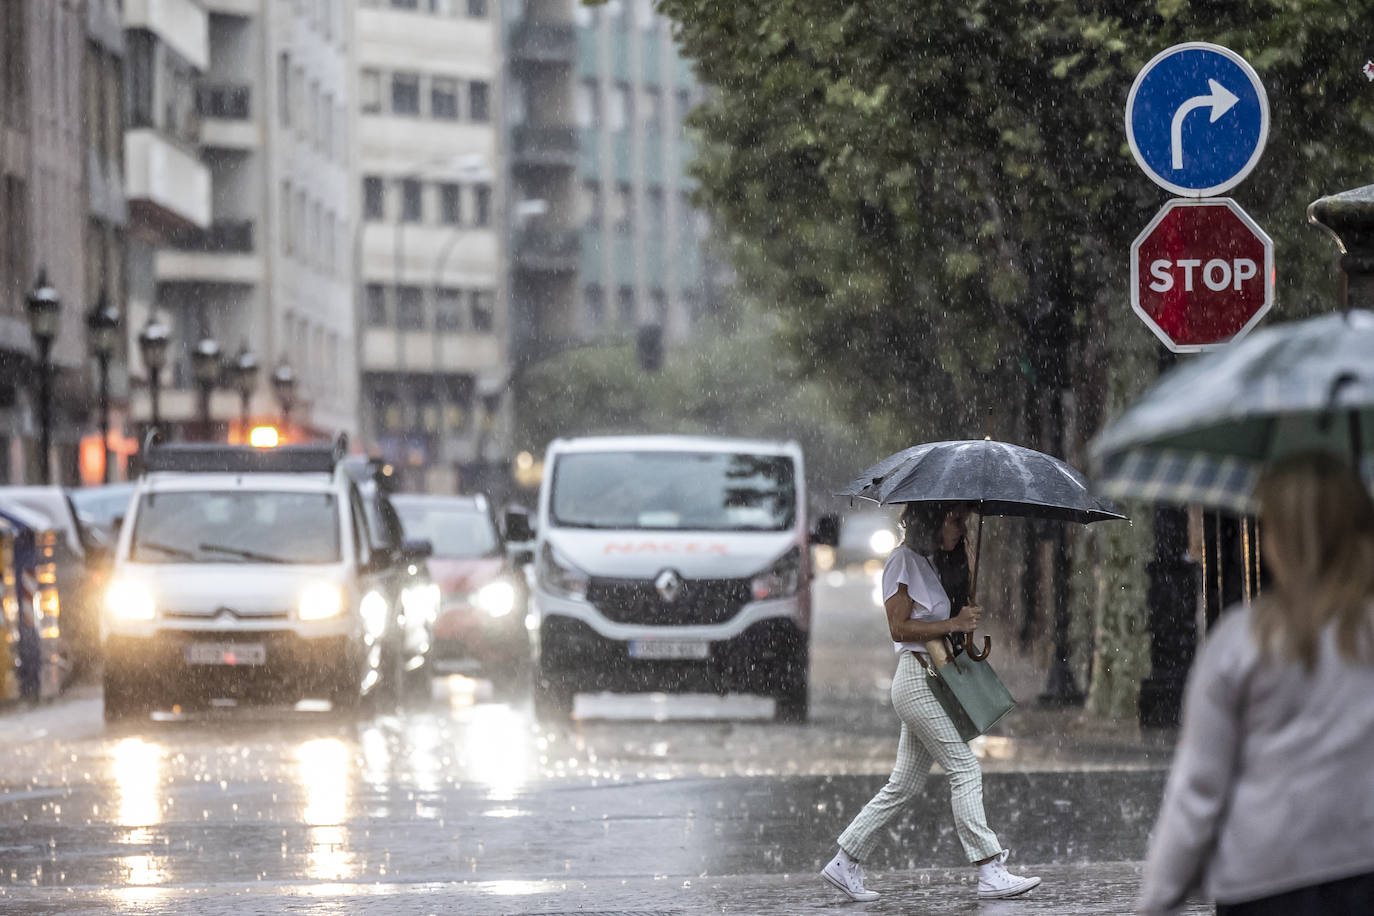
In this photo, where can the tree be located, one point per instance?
(939, 200)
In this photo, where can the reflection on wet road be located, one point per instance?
(470, 788)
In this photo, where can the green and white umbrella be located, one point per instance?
(1205, 431)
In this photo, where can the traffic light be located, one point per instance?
(650, 347)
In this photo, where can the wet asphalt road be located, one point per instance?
(465, 804)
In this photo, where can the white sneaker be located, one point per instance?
(995, 882)
(848, 876)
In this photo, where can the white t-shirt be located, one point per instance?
(906, 566)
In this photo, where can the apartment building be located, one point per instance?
(62, 212)
(434, 319)
(605, 239)
(269, 271)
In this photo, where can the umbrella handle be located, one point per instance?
(972, 652)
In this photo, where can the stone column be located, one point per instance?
(1349, 217)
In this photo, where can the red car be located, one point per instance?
(481, 625)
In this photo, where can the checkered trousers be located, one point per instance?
(928, 736)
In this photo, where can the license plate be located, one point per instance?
(669, 649)
(226, 653)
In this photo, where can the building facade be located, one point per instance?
(269, 269)
(434, 322)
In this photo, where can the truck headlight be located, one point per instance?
(559, 576)
(781, 580)
(497, 598)
(129, 600)
(374, 612)
(320, 601)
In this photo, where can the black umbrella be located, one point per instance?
(1001, 478)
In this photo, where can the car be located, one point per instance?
(74, 573)
(248, 573)
(672, 563)
(866, 535)
(102, 508)
(483, 597)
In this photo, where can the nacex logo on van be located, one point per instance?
(656, 547)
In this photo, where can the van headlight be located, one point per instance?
(781, 580)
(129, 600)
(320, 602)
(497, 598)
(560, 577)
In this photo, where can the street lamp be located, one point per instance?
(205, 362)
(152, 343)
(245, 375)
(284, 385)
(102, 323)
(45, 316)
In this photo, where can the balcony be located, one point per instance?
(221, 253)
(226, 112)
(545, 147)
(166, 187)
(548, 250)
(543, 43)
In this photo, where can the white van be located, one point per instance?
(673, 564)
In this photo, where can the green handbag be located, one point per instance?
(966, 686)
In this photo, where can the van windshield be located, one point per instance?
(236, 526)
(664, 491)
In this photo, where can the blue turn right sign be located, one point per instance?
(1197, 119)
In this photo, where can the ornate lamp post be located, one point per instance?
(102, 323)
(45, 317)
(205, 360)
(152, 343)
(245, 375)
(284, 385)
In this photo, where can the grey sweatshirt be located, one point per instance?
(1272, 786)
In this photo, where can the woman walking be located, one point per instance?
(1269, 808)
(918, 610)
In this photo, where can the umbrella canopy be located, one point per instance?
(1205, 431)
(1004, 479)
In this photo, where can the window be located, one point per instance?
(298, 215)
(587, 103)
(410, 201)
(653, 209)
(589, 209)
(284, 88)
(651, 109)
(622, 207)
(410, 308)
(370, 91)
(481, 205)
(443, 99)
(299, 116)
(405, 4)
(448, 310)
(450, 204)
(618, 116)
(374, 198)
(477, 9)
(313, 121)
(405, 94)
(483, 311)
(287, 218)
(375, 306)
(479, 101)
(594, 303)
(658, 301)
(625, 305)
(327, 125)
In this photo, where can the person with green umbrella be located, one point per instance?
(1269, 807)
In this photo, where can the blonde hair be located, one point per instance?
(1318, 521)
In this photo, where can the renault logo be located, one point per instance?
(669, 585)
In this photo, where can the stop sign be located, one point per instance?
(1202, 274)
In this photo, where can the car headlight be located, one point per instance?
(497, 598)
(560, 577)
(421, 601)
(320, 601)
(882, 542)
(781, 580)
(128, 600)
(374, 612)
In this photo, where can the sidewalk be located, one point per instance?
(1107, 889)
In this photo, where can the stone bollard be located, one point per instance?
(1349, 217)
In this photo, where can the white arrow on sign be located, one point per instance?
(1221, 100)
